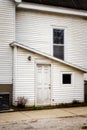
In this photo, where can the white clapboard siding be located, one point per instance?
(7, 15)
(26, 80)
(35, 29)
(63, 94)
(24, 77)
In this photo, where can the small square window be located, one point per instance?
(66, 79)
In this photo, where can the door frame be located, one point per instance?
(42, 63)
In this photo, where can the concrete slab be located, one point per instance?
(12, 116)
(47, 113)
(40, 114)
(77, 110)
(10, 110)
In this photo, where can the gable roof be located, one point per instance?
(74, 4)
(47, 56)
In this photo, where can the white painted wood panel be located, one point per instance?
(67, 93)
(43, 88)
(7, 26)
(34, 29)
(24, 77)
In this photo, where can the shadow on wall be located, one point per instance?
(85, 91)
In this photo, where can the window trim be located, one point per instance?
(65, 39)
(57, 45)
(72, 79)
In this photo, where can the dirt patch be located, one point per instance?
(70, 123)
(84, 127)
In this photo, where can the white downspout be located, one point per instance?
(14, 73)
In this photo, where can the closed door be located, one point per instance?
(43, 89)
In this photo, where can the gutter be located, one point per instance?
(51, 9)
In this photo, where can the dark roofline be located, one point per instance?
(74, 4)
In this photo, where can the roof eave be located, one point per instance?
(52, 9)
(13, 44)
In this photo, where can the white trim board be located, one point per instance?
(52, 9)
(13, 44)
(72, 79)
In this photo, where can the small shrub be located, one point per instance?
(21, 102)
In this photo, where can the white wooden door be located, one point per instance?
(43, 85)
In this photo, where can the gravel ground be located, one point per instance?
(69, 123)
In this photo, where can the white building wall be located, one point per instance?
(24, 77)
(7, 17)
(35, 30)
(64, 93)
(26, 80)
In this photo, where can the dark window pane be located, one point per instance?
(66, 78)
(58, 51)
(58, 36)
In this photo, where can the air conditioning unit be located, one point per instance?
(4, 101)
